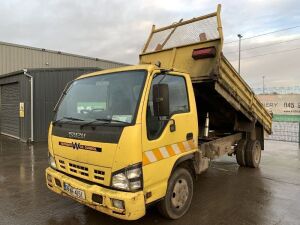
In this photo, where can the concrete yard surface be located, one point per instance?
(225, 194)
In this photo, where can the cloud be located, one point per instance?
(117, 30)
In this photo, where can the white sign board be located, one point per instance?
(287, 104)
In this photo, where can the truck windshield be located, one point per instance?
(98, 99)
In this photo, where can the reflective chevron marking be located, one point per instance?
(168, 151)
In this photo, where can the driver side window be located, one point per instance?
(178, 103)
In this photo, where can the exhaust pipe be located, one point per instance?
(206, 128)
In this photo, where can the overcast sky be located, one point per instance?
(116, 30)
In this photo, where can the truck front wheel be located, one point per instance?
(253, 154)
(179, 194)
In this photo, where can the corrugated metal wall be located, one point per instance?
(16, 57)
(48, 86)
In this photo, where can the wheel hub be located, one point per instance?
(180, 193)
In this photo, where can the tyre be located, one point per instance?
(253, 154)
(240, 152)
(178, 196)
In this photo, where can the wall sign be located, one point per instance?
(287, 104)
(22, 110)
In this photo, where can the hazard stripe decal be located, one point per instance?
(168, 151)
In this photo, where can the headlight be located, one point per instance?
(51, 161)
(129, 179)
(120, 181)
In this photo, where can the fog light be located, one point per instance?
(49, 178)
(118, 203)
(97, 198)
(57, 182)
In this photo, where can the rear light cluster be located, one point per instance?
(202, 53)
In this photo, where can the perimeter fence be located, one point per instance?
(285, 131)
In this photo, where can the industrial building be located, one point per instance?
(15, 57)
(31, 82)
(18, 120)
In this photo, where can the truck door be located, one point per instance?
(162, 144)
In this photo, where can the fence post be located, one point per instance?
(298, 135)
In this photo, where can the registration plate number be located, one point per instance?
(75, 192)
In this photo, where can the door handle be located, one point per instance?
(172, 126)
(189, 136)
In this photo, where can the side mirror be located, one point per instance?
(161, 100)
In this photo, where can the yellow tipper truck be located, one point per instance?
(124, 138)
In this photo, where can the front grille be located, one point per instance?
(99, 175)
(78, 167)
(74, 171)
(61, 164)
(82, 170)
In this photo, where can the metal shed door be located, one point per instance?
(10, 97)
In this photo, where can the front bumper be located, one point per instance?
(134, 202)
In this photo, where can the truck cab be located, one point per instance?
(115, 140)
(125, 138)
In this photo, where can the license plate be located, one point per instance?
(75, 192)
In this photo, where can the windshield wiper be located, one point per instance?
(103, 120)
(67, 118)
(63, 94)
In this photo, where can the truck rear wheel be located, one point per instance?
(179, 194)
(240, 152)
(253, 153)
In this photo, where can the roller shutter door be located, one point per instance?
(10, 98)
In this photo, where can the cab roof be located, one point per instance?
(148, 67)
